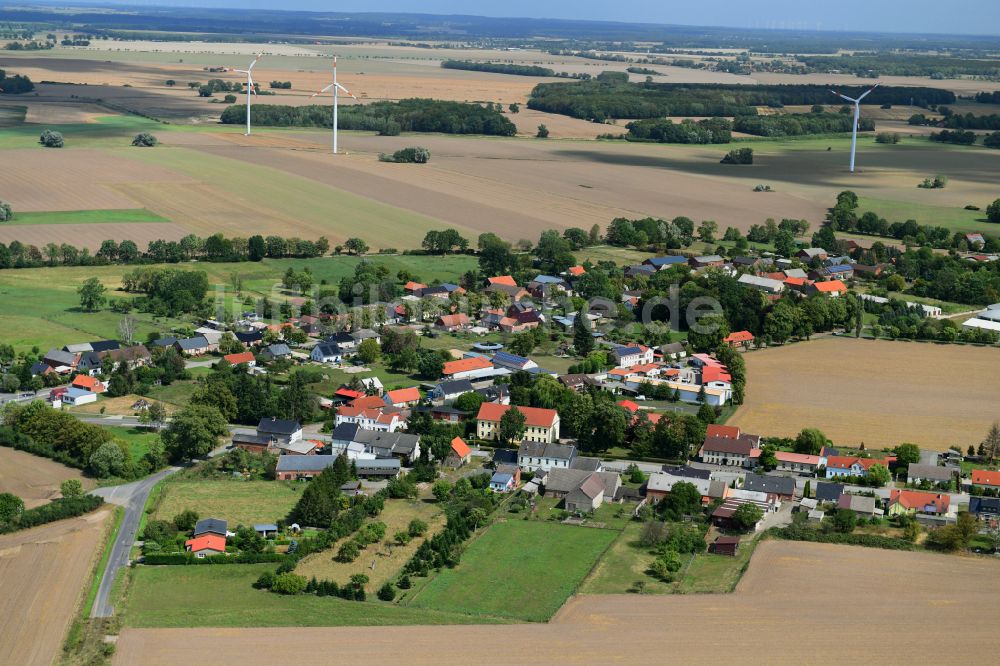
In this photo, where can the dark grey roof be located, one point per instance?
(60, 357)
(455, 386)
(339, 338)
(249, 336)
(265, 527)
(278, 426)
(931, 472)
(345, 432)
(210, 526)
(387, 466)
(278, 349)
(586, 463)
(828, 492)
(304, 463)
(257, 440)
(504, 456)
(689, 472)
(545, 450)
(104, 345)
(779, 485)
(979, 505)
(329, 349)
(38, 368)
(164, 342)
(387, 443)
(197, 342)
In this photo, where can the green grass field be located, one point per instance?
(234, 500)
(138, 439)
(521, 570)
(956, 219)
(127, 215)
(222, 596)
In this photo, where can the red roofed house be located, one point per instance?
(371, 413)
(502, 279)
(88, 383)
(412, 287)
(238, 359)
(985, 478)
(730, 451)
(405, 397)
(713, 430)
(850, 466)
(540, 425)
(739, 339)
(797, 462)
(914, 501)
(576, 271)
(466, 368)
(461, 450)
(628, 405)
(831, 288)
(452, 322)
(206, 544)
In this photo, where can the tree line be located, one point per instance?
(498, 68)
(607, 97)
(390, 118)
(903, 64)
(17, 84)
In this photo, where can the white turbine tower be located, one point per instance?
(336, 87)
(250, 88)
(857, 118)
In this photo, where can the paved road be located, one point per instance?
(133, 497)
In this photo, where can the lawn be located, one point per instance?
(956, 219)
(87, 216)
(518, 569)
(222, 596)
(708, 573)
(138, 439)
(175, 393)
(234, 500)
(388, 561)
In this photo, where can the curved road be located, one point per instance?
(133, 497)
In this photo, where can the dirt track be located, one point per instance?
(881, 393)
(35, 480)
(871, 603)
(43, 572)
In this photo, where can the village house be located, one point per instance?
(404, 397)
(838, 466)
(778, 488)
(659, 263)
(863, 506)
(545, 286)
(917, 473)
(327, 352)
(582, 491)
(915, 502)
(723, 515)
(986, 509)
(371, 413)
(674, 351)
(983, 478)
(206, 545)
(800, 463)
(276, 352)
(502, 482)
(807, 254)
(74, 397)
(831, 288)
(513, 362)
(381, 444)
(659, 484)
(706, 261)
(61, 361)
(577, 382)
(627, 356)
(739, 339)
(467, 368)
(215, 526)
(196, 346)
(88, 383)
(133, 357)
(764, 284)
(460, 454)
(295, 468)
(533, 456)
(449, 391)
(729, 451)
(452, 322)
(540, 425)
(828, 492)
(243, 358)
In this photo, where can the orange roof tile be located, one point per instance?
(739, 336)
(86, 382)
(402, 395)
(206, 541)
(629, 405)
(460, 448)
(466, 365)
(502, 279)
(576, 270)
(984, 477)
(915, 499)
(533, 416)
(414, 286)
(729, 432)
(236, 359)
(830, 286)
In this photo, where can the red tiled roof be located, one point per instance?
(459, 319)
(368, 402)
(502, 279)
(414, 286)
(713, 430)
(715, 373)
(576, 270)
(914, 499)
(984, 477)
(846, 462)
(739, 336)
(801, 458)
(797, 281)
(86, 382)
(466, 364)
(206, 541)
(404, 395)
(533, 416)
(460, 448)
(345, 392)
(236, 359)
(830, 286)
(629, 405)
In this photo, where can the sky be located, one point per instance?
(930, 16)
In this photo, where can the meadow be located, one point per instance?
(522, 570)
(237, 501)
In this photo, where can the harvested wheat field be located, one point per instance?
(45, 571)
(881, 393)
(955, 596)
(32, 478)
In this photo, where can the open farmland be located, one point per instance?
(523, 570)
(44, 572)
(32, 478)
(957, 596)
(881, 393)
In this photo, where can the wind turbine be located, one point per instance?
(857, 118)
(336, 87)
(250, 88)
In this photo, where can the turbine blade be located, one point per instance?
(346, 90)
(320, 92)
(868, 92)
(259, 55)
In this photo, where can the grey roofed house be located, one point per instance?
(210, 526)
(277, 350)
(591, 487)
(104, 345)
(762, 283)
(828, 492)
(453, 387)
(275, 426)
(60, 357)
(776, 485)
(796, 273)
(577, 381)
(562, 481)
(984, 506)
(504, 457)
(163, 342)
(859, 504)
(78, 348)
(364, 334)
(90, 360)
(916, 473)
(672, 349)
(388, 444)
(547, 450)
(189, 344)
(586, 463)
(378, 467)
(342, 338)
(305, 463)
(249, 337)
(38, 368)
(252, 440)
(811, 252)
(345, 433)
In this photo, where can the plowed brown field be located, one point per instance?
(44, 571)
(35, 480)
(881, 393)
(774, 617)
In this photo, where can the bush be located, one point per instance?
(738, 156)
(289, 583)
(348, 552)
(11, 507)
(887, 137)
(6, 212)
(265, 581)
(404, 583)
(186, 520)
(387, 592)
(543, 132)
(806, 533)
(55, 510)
(407, 156)
(51, 139)
(144, 140)
(71, 488)
(417, 527)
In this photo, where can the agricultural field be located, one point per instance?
(522, 570)
(223, 596)
(609, 628)
(45, 571)
(33, 478)
(237, 501)
(879, 399)
(388, 561)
